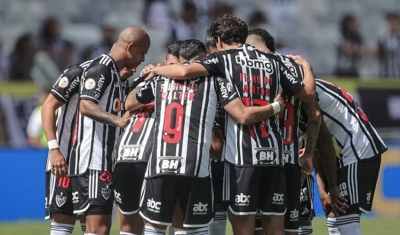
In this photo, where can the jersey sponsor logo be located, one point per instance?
(369, 197)
(63, 83)
(153, 206)
(74, 83)
(343, 190)
(75, 197)
(90, 83)
(265, 155)
(288, 75)
(294, 215)
(290, 66)
(224, 90)
(278, 199)
(255, 64)
(305, 211)
(285, 156)
(200, 209)
(170, 163)
(242, 200)
(130, 151)
(60, 200)
(303, 194)
(117, 196)
(210, 61)
(106, 192)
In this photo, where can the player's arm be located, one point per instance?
(308, 76)
(94, 84)
(242, 114)
(211, 65)
(313, 126)
(140, 96)
(131, 103)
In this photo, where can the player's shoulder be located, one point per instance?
(74, 70)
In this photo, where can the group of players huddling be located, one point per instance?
(229, 128)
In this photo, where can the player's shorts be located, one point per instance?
(127, 185)
(307, 199)
(293, 185)
(357, 183)
(258, 226)
(195, 196)
(249, 189)
(91, 193)
(58, 195)
(217, 175)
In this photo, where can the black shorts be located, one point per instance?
(249, 189)
(307, 199)
(217, 175)
(293, 184)
(58, 195)
(357, 183)
(127, 185)
(195, 195)
(91, 193)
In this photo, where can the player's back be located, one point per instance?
(347, 122)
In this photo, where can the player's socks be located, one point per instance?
(305, 230)
(148, 230)
(349, 224)
(61, 229)
(332, 227)
(83, 228)
(218, 226)
(171, 230)
(126, 233)
(199, 231)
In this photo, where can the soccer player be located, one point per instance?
(63, 99)
(99, 121)
(132, 151)
(178, 169)
(253, 151)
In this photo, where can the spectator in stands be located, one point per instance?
(21, 58)
(157, 13)
(349, 48)
(186, 26)
(221, 8)
(3, 64)
(107, 42)
(257, 19)
(68, 57)
(50, 41)
(389, 48)
(34, 130)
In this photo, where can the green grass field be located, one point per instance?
(369, 226)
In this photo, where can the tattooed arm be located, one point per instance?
(131, 102)
(313, 126)
(91, 110)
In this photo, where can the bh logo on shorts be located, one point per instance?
(153, 206)
(170, 163)
(242, 200)
(265, 155)
(200, 209)
(343, 190)
(278, 199)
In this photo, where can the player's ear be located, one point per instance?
(129, 48)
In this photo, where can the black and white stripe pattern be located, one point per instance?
(347, 219)
(52, 183)
(93, 183)
(58, 228)
(352, 183)
(346, 121)
(389, 48)
(94, 140)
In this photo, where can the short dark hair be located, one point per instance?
(191, 48)
(229, 29)
(265, 36)
(173, 48)
(210, 42)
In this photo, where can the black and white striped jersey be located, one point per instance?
(94, 141)
(346, 121)
(136, 142)
(257, 77)
(185, 113)
(66, 90)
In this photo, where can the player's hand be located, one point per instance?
(306, 161)
(326, 202)
(125, 119)
(280, 100)
(57, 162)
(299, 60)
(147, 69)
(338, 203)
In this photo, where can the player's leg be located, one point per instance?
(360, 186)
(306, 212)
(293, 185)
(127, 186)
(59, 205)
(197, 205)
(241, 187)
(157, 202)
(218, 226)
(273, 200)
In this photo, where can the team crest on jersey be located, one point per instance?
(90, 83)
(60, 200)
(106, 192)
(63, 83)
(170, 163)
(229, 86)
(265, 155)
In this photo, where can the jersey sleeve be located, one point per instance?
(214, 64)
(146, 94)
(137, 81)
(292, 76)
(67, 84)
(225, 90)
(95, 81)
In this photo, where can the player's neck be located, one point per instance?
(118, 60)
(231, 46)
